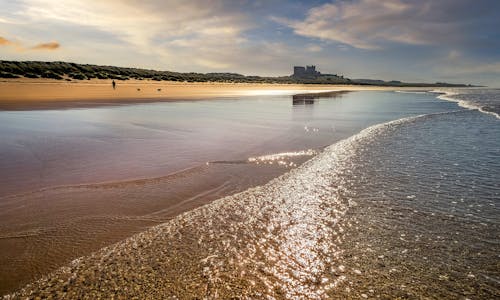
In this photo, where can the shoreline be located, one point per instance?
(116, 264)
(241, 244)
(144, 221)
(42, 94)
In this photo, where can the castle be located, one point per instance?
(307, 71)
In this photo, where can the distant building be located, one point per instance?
(298, 71)
(307, 71)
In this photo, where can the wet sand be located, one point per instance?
(271, 240)
(25, 94)
(40, 231)
(43, 229)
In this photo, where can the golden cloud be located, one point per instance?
(4, 41)
(47, 46)
(20, 47)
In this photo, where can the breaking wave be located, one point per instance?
(460, 99)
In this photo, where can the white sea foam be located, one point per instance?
(454, 97)
(281, 158)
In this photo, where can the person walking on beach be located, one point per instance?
(114, 84)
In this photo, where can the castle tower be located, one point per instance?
(307, 71)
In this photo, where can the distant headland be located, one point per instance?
(73, 71)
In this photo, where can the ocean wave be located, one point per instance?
(456, 97)
(279, 240)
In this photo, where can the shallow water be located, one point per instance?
(337, 226)
(427, 213)
(40, 149)
(246, 142)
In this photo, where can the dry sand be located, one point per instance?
(25, 94)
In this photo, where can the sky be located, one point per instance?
(410, 40)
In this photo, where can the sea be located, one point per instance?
(368, 194)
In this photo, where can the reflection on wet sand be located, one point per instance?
(285, 245)
(310, 98)
(279, 240)
(42, 230)
(43, 227)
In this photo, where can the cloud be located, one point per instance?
(47, 46)
(20, 48)
(4, 41)
(11, 44)
(370, 24)
(471, 68)
(453, 55)
(237, 36)
(181, 35)
(141, 24)
(175, 33)
(314, 48)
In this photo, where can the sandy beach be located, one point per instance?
(98, 171)
(25, 94)
(234, 196)
(249, 149)
(114, 171)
